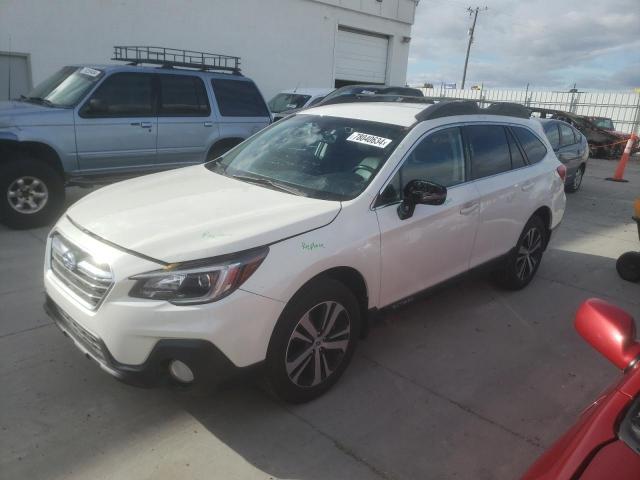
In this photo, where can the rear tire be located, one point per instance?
(523, 261)
(628, 266)
(313, 341)
(31, 193)
(577, 180)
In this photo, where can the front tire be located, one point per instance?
(523, 261)
(31, 193)
(313, 341)
(628, 266)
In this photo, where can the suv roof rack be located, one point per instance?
(171, 57)
(508, 109)
(368, 97)
(447, 108)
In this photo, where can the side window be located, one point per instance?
(239, 98)
(488, 149)
(439, 158)
(517, 159)
(566, 135)
(182, 95)
(122, 95)
(533, 147)
(553, 134)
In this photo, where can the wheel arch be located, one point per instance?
(545, 215)
(38, 150)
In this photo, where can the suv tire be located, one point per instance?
(31, 193)
(313, 341)
(522, 262)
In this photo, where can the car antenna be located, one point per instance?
(297, 85)
(9, 71)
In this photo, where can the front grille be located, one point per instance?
(86, 279)
(82, 336)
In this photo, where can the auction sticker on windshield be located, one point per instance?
(92, 72)
(372, 140)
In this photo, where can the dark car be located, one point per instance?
(339, 95)
(571, 148)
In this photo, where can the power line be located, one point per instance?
(473, 12)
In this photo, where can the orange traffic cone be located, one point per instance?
(619, 173)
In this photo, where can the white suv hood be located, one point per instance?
(193, 213)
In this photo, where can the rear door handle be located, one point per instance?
(145, 124)
(469, 208)
(208, 124)
(527, 186)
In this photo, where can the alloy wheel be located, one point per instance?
(318, 344)
(529, 253)
(27, 194)
(577, 179)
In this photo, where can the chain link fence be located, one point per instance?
(622, 108)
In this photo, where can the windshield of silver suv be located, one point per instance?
(65, 88)
(317, 156)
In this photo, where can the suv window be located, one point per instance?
(182, 95)
(566, 135)
(122, 95)
(439, 158)
(488, 150)
(553, 134)
(533, 147)
(238, 98)
(517, 159)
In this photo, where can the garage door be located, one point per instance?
(361, 57)
(16, 67)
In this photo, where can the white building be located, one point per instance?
(282, 43)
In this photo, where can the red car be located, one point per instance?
(605, 442)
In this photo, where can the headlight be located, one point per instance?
(201, 281)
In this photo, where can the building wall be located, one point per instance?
(282, 43)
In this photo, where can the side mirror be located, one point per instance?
(420, 192)
(610, 330)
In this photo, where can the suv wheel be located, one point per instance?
(31, 193)
(575, 184)
(523, 261)
(313, 341)
(628, 266)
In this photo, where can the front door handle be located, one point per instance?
(208, 124)
(145, 124)
(469, 208)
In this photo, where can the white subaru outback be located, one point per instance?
(277, 253)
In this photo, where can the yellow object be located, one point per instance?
(636, 207)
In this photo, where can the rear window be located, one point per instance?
(533, 147)
(488, 149)
(566, 135)
(551, 130)
(239, 98)
(182, 95)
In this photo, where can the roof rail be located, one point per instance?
(447, 108)
(367, 97)
(171, 57)
(508, 109)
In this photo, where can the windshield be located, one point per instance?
(316, 156)
(604, 123)
(287, 101)
(64, 88)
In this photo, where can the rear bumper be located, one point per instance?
(208, 364)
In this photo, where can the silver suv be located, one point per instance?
(86, 125)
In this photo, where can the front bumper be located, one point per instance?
(208, 364)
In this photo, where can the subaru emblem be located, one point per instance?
(69, 260)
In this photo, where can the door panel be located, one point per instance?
(117, 128)
(570, 151)
(435, 243)
(186, 125)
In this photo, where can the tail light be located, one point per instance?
(562, 172)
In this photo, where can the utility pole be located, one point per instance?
(473, 12)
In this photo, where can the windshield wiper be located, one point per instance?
(42, 101)
(269, 183)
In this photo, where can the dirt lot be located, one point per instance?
(468, 383)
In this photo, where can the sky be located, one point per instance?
(549, 44)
